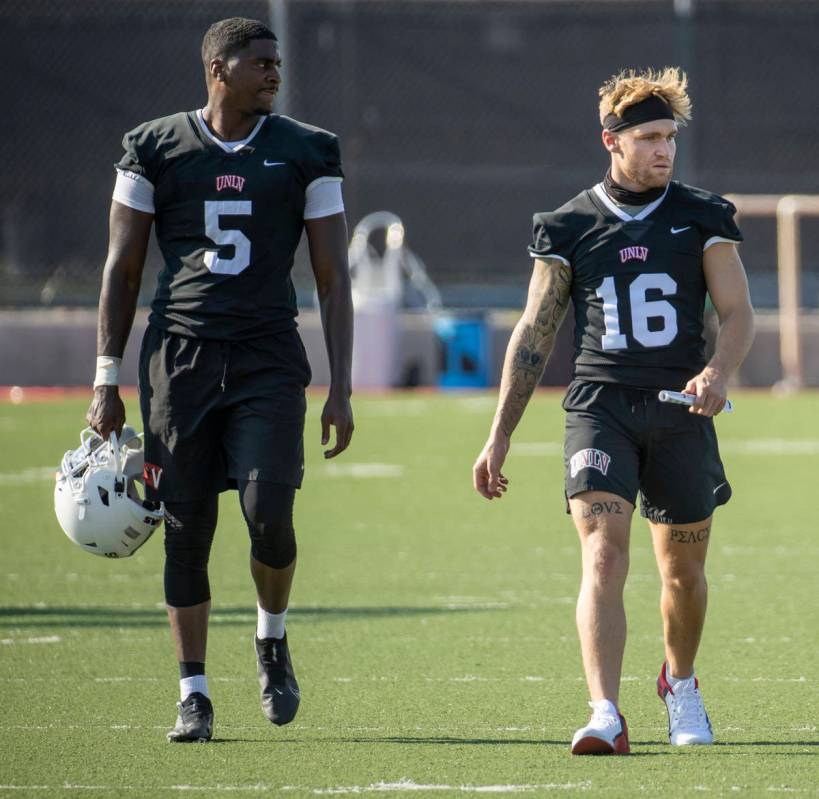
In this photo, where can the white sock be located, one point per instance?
(192, 685)
(270, 625)
(674, 681)
(605, 706)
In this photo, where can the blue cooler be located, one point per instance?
(463, 346)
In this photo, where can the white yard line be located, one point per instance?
(480, 404)
(44, 639)
(531, 679)
(404, 786)
(536, 448)
(400, 406)
(771, 446)
(363, 470)
(749, 446)
(34, 474)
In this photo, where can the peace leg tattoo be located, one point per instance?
(690, 536)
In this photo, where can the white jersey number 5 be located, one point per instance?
(214, 209)
(642, 310)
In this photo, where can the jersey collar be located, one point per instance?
(619, 212)
(227, 146)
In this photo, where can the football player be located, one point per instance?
(222, 371)
(636, 254)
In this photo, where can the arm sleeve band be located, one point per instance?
(717, 240)
(134, 191)
(323, 198)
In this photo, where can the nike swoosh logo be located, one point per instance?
(674, 230)
(274, 163)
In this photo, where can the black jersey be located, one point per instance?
(228, 223)
(638, 286)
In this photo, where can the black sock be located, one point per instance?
(191, 668)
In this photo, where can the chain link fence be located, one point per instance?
(461, 117)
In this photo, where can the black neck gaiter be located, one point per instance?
(624, 196)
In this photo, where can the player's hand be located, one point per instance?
(107, 411)
(337, 413)
(710, 389)
(487, 477)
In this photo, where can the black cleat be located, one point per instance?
(195, 720)
(280, 691)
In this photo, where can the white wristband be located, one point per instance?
(107, 371)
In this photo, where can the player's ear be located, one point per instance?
(216, 69)
(610, 141)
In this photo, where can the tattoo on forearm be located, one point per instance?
(599, 508)
(531, 346)
(528, 360)
(690, 536)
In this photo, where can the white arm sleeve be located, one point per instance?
(550, 255)
(323, 198)
(717, 240)
(134, 191)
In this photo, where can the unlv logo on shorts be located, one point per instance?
(229, 182)
(152, 475)
(590, 459)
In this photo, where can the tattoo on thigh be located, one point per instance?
(690, 536)
(599, 508)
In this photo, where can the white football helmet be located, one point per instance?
(96, 497)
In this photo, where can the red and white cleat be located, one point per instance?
(605, 734)
(688, 723)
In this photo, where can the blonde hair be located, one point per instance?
(630, 87)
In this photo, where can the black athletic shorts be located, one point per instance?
(215, 412)
(624, 440)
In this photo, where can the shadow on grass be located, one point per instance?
(451, 741)
(715, 747)
(731, 744)
(66, 616)
(447, 740)
(663, 748)
(398, 739)
(656, 748)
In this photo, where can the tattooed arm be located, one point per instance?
(526, 356)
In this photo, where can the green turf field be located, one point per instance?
(432, 632)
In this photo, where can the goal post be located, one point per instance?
(788, 210)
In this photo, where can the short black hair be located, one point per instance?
(226, 37)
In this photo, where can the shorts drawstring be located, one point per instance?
(225, 368)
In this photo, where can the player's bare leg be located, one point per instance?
(189, 628)
(680, 551)
(272, 585)
(602, 521)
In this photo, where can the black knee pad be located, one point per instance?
(189, 529)
(268, 511)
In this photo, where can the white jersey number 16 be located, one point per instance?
(642, 310)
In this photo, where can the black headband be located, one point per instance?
(653, 107)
